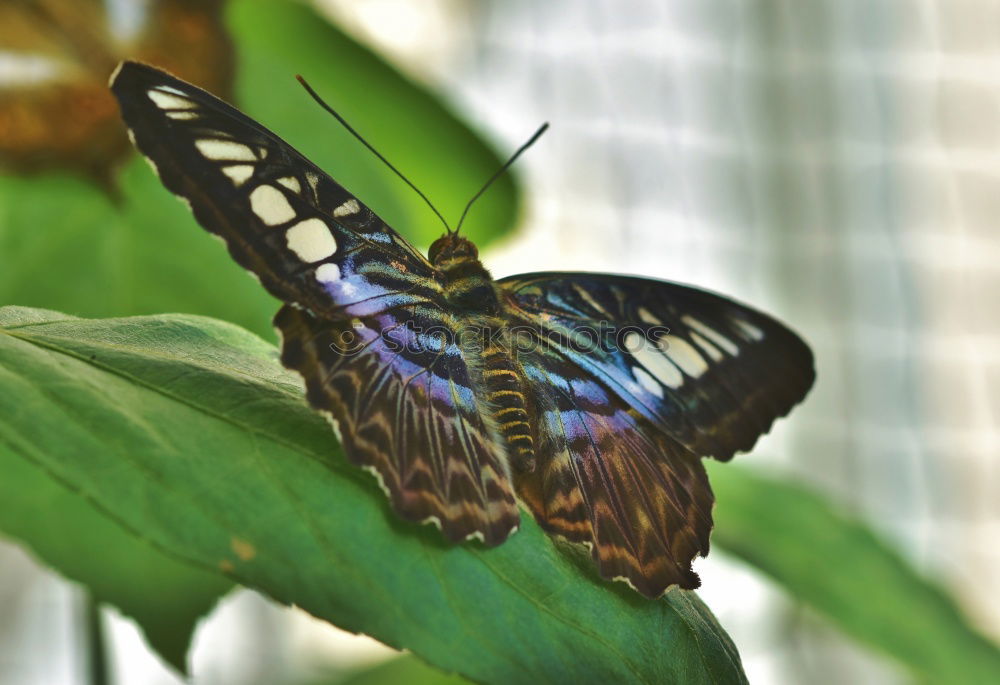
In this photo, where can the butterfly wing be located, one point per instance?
(308, 240)
(405, 408)
(611, 480)
(711, 372)
(358, 298)
(635, 380)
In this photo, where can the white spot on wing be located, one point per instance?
(710, 349)
(291, 183)
(722, 341)
(168, 101)
(335, 425)
(588, 298)
(114, 74)
(271, 205)
(183, 116)
(213, 148)
(328, 273)
(238, 173)
(311, 240)
(381, 482)
(349, 207)
(171, 89)
(749, 329)
(647, 381)
(432, 519)
(623, 579)
(152, 165)
(684, 355)
(649, 317)
(655, 362)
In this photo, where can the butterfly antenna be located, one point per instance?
(499, 173)
(350, 129)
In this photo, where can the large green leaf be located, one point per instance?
(840, 568)
(165, 596)
(403, 669)
(65, 245)
(119, 566)
(187, 430)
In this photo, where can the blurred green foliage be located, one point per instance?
(65, 245)
(120, 567)
(837, 566)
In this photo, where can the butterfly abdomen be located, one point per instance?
(505, 395)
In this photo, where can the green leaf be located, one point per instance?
(404, 669)
(188, 430)
(65, 245)
(165, 597)
(840, 568)
(64, 529)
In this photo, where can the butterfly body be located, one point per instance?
(484, 324)
(588, 398)
(467, 284)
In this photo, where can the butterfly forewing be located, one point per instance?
(712, 373)
(308, 240)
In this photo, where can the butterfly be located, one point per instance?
(588, 398)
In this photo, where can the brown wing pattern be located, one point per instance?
(610, 479)
(406, 410)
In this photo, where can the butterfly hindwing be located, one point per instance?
(613, 481)
(307, 239)
(405, 408)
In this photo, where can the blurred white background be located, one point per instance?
(834, 162)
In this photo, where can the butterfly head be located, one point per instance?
(451, 248)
